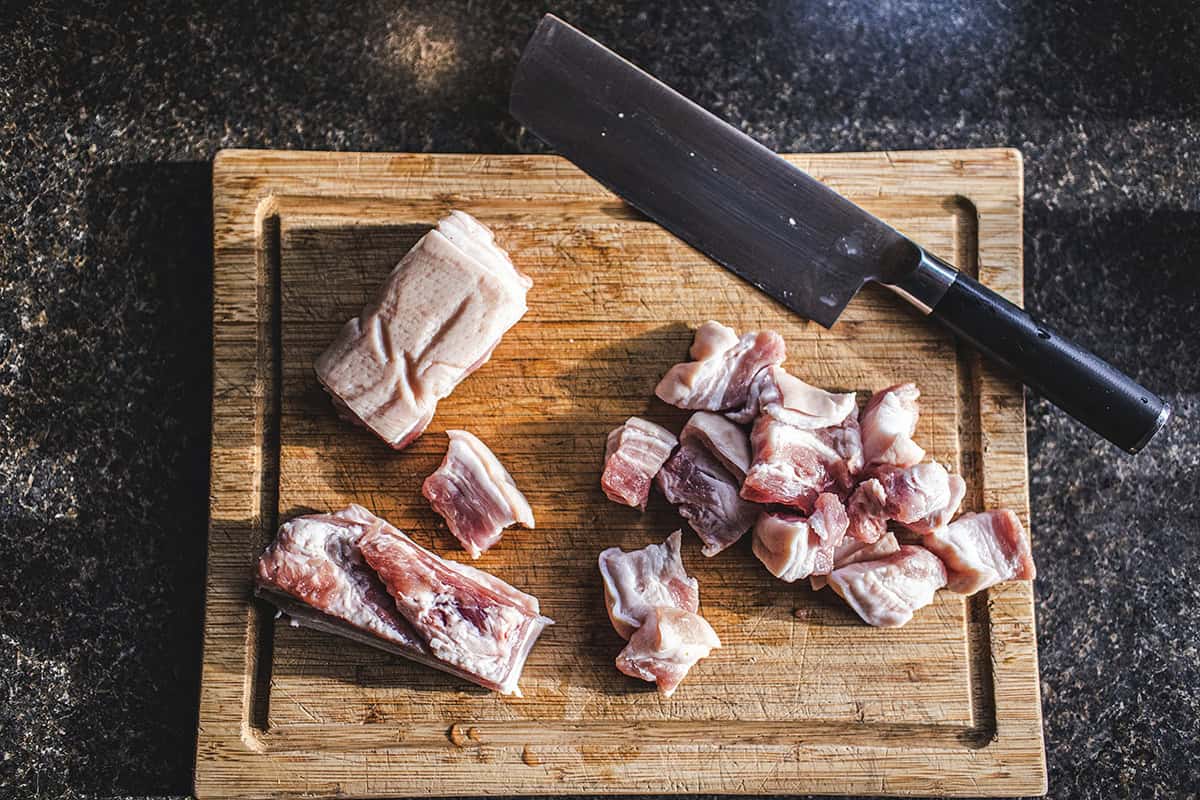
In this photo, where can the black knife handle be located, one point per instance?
(1086, 387)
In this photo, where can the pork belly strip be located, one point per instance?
(436, 319)
(475, 494)
(469, 619)
(981, 550)
(633, 455)
(639, 581)
(722, 368)
(706, 495)
(316, 571)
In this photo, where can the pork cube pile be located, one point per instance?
(824, 487)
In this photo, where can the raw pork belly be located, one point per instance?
(885, 592)
(722, 369)
(637, 582)
(851, 551)
(475, 494)
(668, 643)
(792, 547)
(922, 497)
(334, 572)
(633, 455)
(981, 550)
(470, 620)
(706, 496)
(888, 423)
(783, 396)
(728, 442)
(435, 320)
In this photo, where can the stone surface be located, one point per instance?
(111, 113)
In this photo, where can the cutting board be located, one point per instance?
(802, 698)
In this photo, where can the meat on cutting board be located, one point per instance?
(851, 551)
(706, 495)
(469, 619)
(340, 573)
(923, 497)
(885, 592)
(637, 582)
(633, 455)
(722, 368)
(793, 465)
(436, 319)
(981, 550)
(792, 547)
(475, 494)
(666, 646)
(888, 422)
(783, 396)
(725, 440)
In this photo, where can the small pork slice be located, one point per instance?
(436, 319)
(981, 550)
(475, 494)
(469, 619)
(637, 582)
(706, 495)
(722, 369)
(792, 547)
(725, 440)
(851, 551)
(633, 455)
(669, 643)
(923, 498)
(885, 592)
(888, 423)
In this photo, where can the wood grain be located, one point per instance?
(802, 698)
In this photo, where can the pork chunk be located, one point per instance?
(637, 582)
(722, 368)
(793, 547)
(981, 550)
(633, 455)
(435, 320)
(923, 497)
(667, 645)
(851, 551)
(885, 592)
(888, 423)
(474, 493)
(725, 440)
(706, 495)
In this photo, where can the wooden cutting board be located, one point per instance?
(802, 697)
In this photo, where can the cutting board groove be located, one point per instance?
(802, 698)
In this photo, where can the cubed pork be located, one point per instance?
(851, 551)
(728, 442)
(475, 494)
(981, 550)
(706, 495)
(792, 547)
(885, 592)
(435, 320)
(666, 646)
(637, 582)
(888, 423)
(633, 455)
(923, 497)
(722, 368)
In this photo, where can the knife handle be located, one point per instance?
(1106, 400)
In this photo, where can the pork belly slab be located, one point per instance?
(633, 455)
(435, 320)
(637, 582)
(923, 498)
(469, 619)
(888, 423)
(792, 547)
(722, 368)
(981, 550)
(474, 493)
(725, 440)
(885, 592)
(346, 572)
(706, 495)
(666, 646)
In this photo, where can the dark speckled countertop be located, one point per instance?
(110, 115)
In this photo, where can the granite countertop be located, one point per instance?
(111, 113)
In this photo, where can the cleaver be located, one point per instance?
(782, 230)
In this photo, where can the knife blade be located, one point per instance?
(782, 230)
